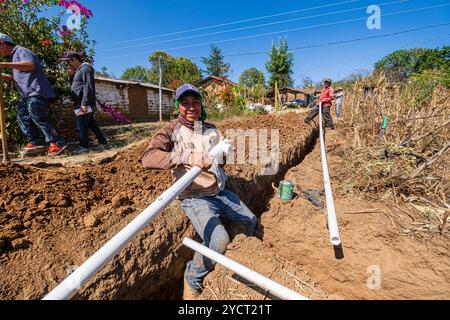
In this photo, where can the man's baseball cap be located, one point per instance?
(328, 80)
(185, 89)
(68, 55)
(6, 38)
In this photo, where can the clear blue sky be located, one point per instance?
(120, 20)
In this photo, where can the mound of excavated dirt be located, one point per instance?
(377, 237)
(53, 218)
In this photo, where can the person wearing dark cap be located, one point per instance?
(206, 200)
(84, 99)
(35, 95)
(326, 98)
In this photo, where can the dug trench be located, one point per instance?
(391, 251)
(53, 218)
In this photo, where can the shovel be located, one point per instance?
(3, 125)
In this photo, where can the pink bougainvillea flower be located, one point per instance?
(117, 115)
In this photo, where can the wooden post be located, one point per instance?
(276, 96)
(3, 125)
(373, 118)
(160, 90)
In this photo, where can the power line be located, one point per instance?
(309, 27)
(323, 66)
(247, 28)
(282, 31)
(230, 23)
(372, 37)
(339, 42)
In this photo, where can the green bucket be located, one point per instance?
(286, 190)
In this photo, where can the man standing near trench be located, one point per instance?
(206, 201)
(326, 97)
(84, 98)
(36, 92)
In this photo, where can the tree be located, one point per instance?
(187, 71)
(258, 92)
(402, 64)
(358, 75)
(179, 70)
(215, 64)
(307, 82)
(137, 73)
(280, 65)
(252, 77)
(103, 72)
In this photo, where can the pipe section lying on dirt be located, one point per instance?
(69, 287)
(331, 210)
(250, 275)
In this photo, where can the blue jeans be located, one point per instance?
(35, 124)
(205, 214)
(85, 123)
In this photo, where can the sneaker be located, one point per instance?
(32, 147)
(56, 150)
(81, 150)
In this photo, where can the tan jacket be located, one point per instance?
(171, 149)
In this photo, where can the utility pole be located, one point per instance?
(276, 96)
(3, 125)
(160, 90)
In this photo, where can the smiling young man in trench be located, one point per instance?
(206, 200)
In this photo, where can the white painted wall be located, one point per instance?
(113, 95)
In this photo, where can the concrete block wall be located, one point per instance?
(153, 104)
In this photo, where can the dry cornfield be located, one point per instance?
(407, 162)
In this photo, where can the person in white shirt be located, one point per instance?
(339, 101)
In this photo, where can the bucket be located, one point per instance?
(286, 190)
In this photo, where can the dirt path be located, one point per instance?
(120, 138)
(295, 249)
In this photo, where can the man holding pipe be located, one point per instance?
(326, 98)
(36, 92)
(206, 200)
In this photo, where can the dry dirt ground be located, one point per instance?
(119, 137)
(53, 216)
(294, 248)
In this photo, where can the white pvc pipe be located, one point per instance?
(67, 289)
(331, 210)
(252, 276)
